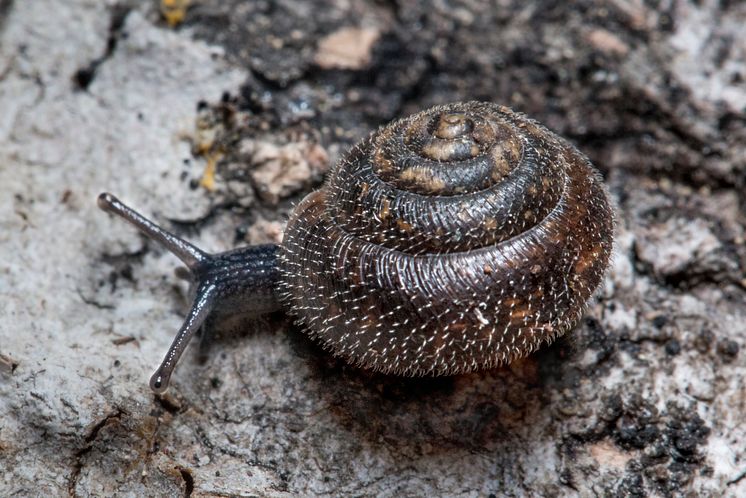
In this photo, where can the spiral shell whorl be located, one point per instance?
(391, 191)
(459, 238)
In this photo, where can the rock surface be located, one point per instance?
(645, 397)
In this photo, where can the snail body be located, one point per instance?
(457, 239)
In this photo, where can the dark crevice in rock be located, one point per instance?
(5, 6)
(89, 440)
(93, 302)
(737, 479)
(188, 478)
(84, 76)
(167, 404)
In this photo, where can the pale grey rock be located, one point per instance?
(61, 146)
(676, 244)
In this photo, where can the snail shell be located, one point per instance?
(457, 239)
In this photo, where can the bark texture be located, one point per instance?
(645, 398)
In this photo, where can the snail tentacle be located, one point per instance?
(241, 281)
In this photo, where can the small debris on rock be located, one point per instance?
(728, 349)
(265, 232)
(174, 11)
(285, 169)
(346, 48)
(673, 347)
(119, 341)
(607, 42)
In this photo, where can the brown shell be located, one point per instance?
(457, 239)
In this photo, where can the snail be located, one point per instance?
(457, 239)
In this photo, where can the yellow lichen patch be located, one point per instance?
(423, 178)
(203, 148)
(174, 11)
(487, 270)
(208, 176)
(204, 138)
(490, 224)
